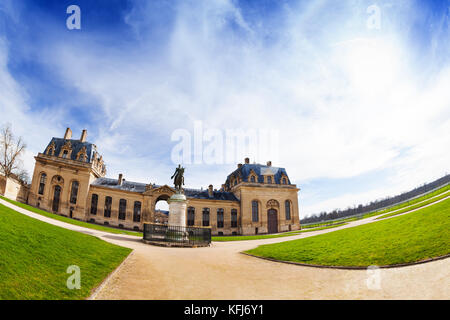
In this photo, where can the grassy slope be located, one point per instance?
(409, 238)
(72, 221)
(34, 257)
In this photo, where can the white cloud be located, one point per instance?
(346, 101)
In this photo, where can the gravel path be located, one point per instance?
(221, 272)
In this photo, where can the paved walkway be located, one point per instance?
(221, 272)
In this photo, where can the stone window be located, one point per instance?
(233, 218)
(42, 183)
(190, 216)
(94, 204)
(287, 205)
(269, 179)
(122, 209)
(220, 218)
(205, 217)
(74, 192)
(284, 181)
(255, 211)
(137, 211)
(252, 179)
(108, 203)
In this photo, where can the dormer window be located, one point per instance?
(252, 176)
(51, 150)
(82, 156)
(66, 150)
(284, 181)
(269, 179)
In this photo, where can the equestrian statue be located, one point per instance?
(178, 178)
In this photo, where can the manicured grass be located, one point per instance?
(34, 257)
(419, 205)
(268, 236)
(72, 221)
(412, 237)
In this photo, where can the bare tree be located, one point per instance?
(11, 148)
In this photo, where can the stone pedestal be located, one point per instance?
(177, 210)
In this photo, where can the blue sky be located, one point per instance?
(361, 113)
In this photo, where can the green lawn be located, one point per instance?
(268, 236)
(412, 237)
(35, 255)
(72, 221)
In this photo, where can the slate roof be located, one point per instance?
(260, 171)
(140, 187)
(203, 194)
(77, 145)
(114, 184)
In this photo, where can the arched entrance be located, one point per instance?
(161, 209)
(272, 221)
(56, 198)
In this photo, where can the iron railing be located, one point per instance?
(189, 236)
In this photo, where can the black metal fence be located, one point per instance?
(188, 236)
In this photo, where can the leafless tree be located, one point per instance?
(11, 149)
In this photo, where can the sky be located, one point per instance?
(351, 97)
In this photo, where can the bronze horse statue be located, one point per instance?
(179, 178)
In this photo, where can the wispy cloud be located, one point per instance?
(346, 100)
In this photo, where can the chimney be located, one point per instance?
(269, 163)
(210, 190)
(247, 160)
(68, 134)
(83, 136)
(120, 179)
(239, 165)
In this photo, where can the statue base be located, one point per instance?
(177, 210)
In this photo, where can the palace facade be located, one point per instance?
(69, 179)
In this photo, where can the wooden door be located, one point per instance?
(272, 221)
(56, 197)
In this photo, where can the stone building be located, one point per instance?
(69, 179)
(13, 188)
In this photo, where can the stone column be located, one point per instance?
(177, 210)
